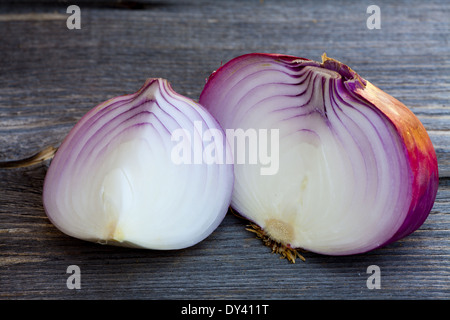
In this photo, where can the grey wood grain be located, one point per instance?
(50, 76)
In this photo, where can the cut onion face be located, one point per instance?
(356, 169)
(115, 180)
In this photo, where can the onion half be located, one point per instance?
(114, 179)
(356, 168)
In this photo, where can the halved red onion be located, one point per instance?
(356, 168)
(115, 180)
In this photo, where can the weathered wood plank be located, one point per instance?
(50, 76)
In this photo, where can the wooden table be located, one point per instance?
(50, 76)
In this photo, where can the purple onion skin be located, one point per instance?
(418, 150)
(417, 146)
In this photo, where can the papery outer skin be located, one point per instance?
(418, 149)
(124, 122)
(417, 146)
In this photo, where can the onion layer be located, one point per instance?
(357, 169)
(114, 178)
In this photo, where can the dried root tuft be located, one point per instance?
(286, 252)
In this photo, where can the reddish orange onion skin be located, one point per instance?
(420, 153)
(419, 149)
